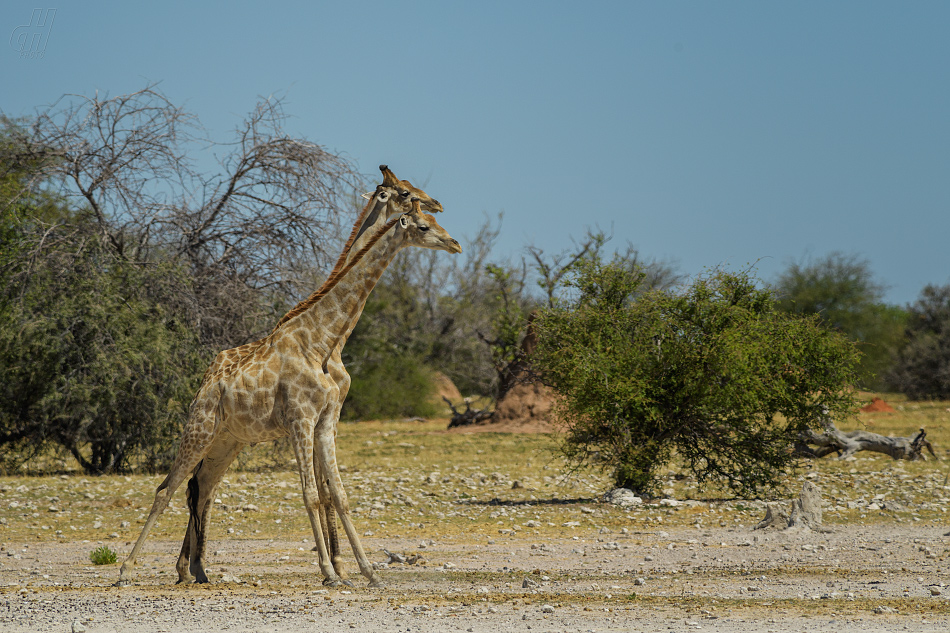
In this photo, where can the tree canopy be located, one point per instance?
(842, 291)
(922, 368)
(713, 376)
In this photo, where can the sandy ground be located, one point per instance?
(884, 577)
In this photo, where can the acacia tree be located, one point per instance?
(922, 368)
(125, 270)
(713, 376)
(514, 304)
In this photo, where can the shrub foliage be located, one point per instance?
(922, 368)
(842, 291)
(714, 376)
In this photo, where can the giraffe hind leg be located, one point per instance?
(184, 575)
(201, 489)
(197, 443)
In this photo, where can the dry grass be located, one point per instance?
(453, 497)
(403, 475)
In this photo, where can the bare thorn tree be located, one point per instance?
(262, 224)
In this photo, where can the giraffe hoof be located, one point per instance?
(348, 583)
(122, 583)
(376, 583)
(332, 582)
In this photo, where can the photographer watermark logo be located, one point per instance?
(29, 40)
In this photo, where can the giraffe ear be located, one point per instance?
(403, 221)
(368, 195)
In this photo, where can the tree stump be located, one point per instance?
(804, 514)
(775, 516)
(806, 510)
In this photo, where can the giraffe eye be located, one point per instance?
(405, 194)
(423, 228)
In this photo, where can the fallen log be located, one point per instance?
(848, 443)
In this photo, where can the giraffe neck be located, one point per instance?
(328, 321)
(373, 216)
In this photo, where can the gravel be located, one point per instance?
(866, 578)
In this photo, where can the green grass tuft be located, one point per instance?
(103, 556)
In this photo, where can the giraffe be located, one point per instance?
(282, 388)
(397, 195)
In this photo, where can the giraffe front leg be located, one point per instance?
(327, 449)
(303, 450)
(328, 520)
(327, 427)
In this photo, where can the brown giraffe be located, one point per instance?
(395, 195)
(283, 387)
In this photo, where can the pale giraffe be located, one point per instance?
(391, 197)
(282, 388)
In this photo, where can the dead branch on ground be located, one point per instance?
(468, 417)
(848, 443)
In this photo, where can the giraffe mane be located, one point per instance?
(341, 261)
(335, 277)
(349, 242)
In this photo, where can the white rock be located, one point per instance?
(623, 497)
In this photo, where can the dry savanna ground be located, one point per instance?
(501, 539)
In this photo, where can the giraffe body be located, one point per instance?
(398, 194)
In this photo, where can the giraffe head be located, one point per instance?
(392, 197)
(421, 230)
(399, 194)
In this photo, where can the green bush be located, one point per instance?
(713, 376)
(922, 368)
(94, 364)
(388, 387)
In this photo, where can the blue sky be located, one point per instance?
(704, 133)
